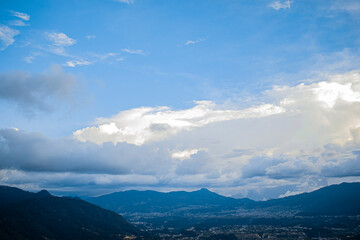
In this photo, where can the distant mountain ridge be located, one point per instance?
(152, 201)
(340, 199)
(29, 216)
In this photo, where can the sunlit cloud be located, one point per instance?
(185, 154)
(141, 125)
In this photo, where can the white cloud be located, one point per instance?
(141, 125)
(330, 93)
(91, 36)
(185, 154)
(74, 63)
(133, 51)
(190, 42)
(58, 43)
(7, 36)
(60, 39)
(277, 5)
(23, 16)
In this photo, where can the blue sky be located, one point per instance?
(248, 98)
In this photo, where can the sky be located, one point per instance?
(250, 98)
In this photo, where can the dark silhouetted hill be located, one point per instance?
(11, 195)
(27, 216)
(342, 199)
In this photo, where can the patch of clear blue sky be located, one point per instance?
(242, 47)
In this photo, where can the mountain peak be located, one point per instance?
(204, 190)
(43, 193)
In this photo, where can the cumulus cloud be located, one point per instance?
(38, 91)
(141, 125)
(7, 36)
(277, 5)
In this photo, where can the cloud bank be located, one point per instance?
(299, 139)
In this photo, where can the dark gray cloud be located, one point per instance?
(39, 91)
(345, 165)
(32, 160)
(334, 161)
(280, 167)
(38, 153)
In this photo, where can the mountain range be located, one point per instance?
(152, 201)
(342, 199)
(29, 216)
